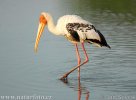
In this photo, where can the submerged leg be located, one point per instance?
(78, 66)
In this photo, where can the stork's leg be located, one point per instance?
(86, 56)
(78, 66)
(78, 59)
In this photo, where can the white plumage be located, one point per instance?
(64, 20)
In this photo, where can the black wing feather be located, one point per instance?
(72, 27)
(103, 41)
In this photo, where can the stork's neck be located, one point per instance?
(52, 28)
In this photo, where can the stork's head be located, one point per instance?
(43, 20)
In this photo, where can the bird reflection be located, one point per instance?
(78, 87)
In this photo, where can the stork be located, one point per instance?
(76, 30)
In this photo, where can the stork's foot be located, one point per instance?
(64, 80)
(64, 77)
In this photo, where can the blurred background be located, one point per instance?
(108, 73)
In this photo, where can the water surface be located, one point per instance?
(109, 73)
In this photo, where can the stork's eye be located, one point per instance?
(42, 19)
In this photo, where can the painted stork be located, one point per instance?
(76, 30)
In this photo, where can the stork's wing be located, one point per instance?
(86, 32)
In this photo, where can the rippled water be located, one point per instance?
(110, 74)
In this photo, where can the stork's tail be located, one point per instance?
(108, 46)
(103, 40)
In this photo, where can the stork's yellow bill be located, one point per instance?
(42, 23)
